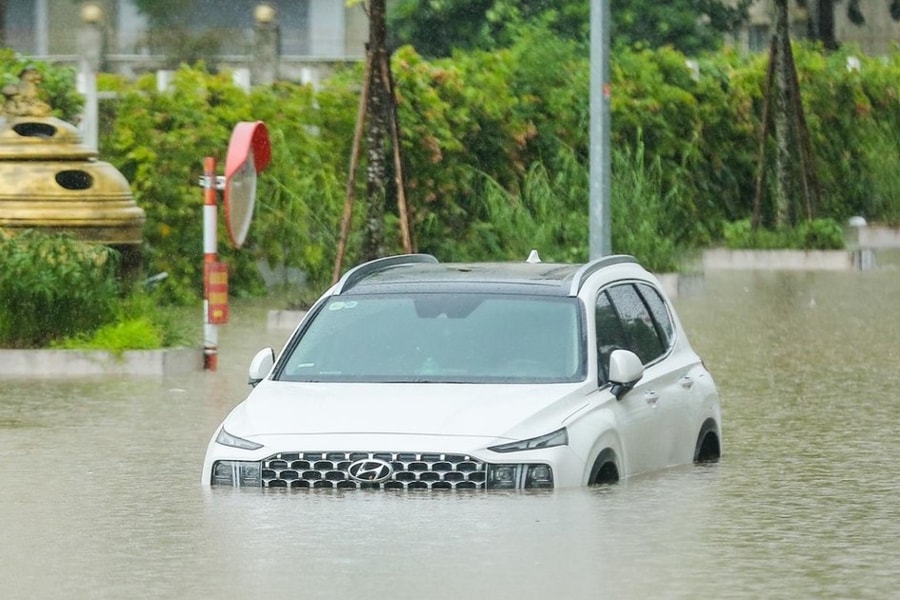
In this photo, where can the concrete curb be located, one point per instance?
(61, 364)
(778, 260)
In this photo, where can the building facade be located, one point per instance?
(311, 34)
(876, 36)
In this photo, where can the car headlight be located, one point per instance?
(233, 441)
(560, 437)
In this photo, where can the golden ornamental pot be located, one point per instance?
(49, 180)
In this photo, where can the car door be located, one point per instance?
(654, 405)
(635, 415)
(678, 373)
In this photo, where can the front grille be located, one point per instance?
(408, 471)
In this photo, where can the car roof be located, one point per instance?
(423, 273)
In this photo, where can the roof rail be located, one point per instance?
(360, 272)
(587, 269)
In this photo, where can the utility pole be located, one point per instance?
(599, 189)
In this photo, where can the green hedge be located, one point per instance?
(496, 153)
(53, 286)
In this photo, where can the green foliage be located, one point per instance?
(135, 334)
(690, 26)
(495, 147)
(818, 234)
(144, 311)
(159, 140)
(881, 162)
(436, 28)
(301, 193)
(853, 117)
(53, 286)
(140, 323)
(642, 208)
(514, 224)
(57, 83)
(685, 146)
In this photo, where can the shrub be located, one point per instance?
(159, 140)
(495, 148)
(57, 83)
(817, 234)
(53, 286)
(882, 162)
(641, 208)
(141, 322)
(820, 234)
(134, 334)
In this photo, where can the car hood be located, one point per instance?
(276, 408)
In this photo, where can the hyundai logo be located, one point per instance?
(370, 470)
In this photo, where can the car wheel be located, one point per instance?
(605, 470)
(708, 448)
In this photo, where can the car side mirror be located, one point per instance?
(261, 365)
(625, 370)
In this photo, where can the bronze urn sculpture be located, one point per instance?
(51, 181)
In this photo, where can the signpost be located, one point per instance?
(249, 152)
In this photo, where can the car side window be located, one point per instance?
(610, 334)
(661, 315)
(640, 330)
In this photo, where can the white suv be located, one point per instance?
(415, 374)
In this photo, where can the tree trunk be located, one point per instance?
(781, 117)
(377, 135)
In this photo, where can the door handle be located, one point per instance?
(687, 382)
(651, 398)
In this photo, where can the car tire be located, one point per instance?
(708, 449)
(605, 470)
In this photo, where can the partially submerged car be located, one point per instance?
(410, 373)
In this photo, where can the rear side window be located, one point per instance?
(661, 317)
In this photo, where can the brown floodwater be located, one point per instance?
(100, 494)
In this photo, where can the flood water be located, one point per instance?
(100, 494)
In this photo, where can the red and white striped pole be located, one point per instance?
(210, 257)
(248, 153)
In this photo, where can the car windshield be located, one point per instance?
(452, 338)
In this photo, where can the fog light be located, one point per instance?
(236, 474)
(503, 477)
(539, 476)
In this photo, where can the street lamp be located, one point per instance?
(91, 14)
(265, 44)
(264, 14)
